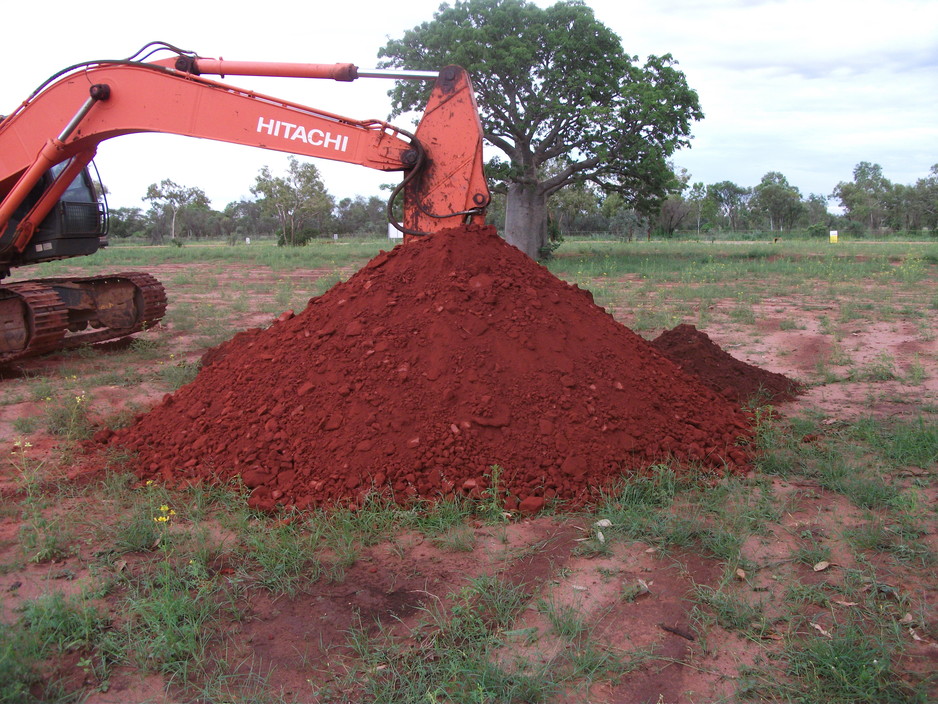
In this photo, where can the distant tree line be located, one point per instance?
(871, 206)
(296, 207)
(292, 208)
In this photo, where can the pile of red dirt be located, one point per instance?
(433, 363)
(694, 352)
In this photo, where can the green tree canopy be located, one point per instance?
(170, 197)
(299, 200)
(731, 199)
(863, 199)
(554, 85)
(359, 215)
(778, 200)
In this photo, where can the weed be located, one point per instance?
(284, 294)
(824, 372)
(63, 624)
(50, 626)
(827, 328)
(913, 442)
(284, 554)
(44, 535)
(882, 368)
(491, 506)
(915, 373)
(69, 418)
(26, 425)
(902, 544)
(177, 375)
(594, 546)
(19, 672)
(44, 538)
(146, 346)
(743, 313)
(443, 517)
(119, 377)
(797, 593)
(852, 665)
(731, 612)
(121, 419)
(136, 531)
(812, 553)
(324, 283)
(169, 621)
(459, 538)
(838, 356)
(42, 388)
(454, 658)
(567, 621)
(633, 590)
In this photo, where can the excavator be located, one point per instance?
(50, 208)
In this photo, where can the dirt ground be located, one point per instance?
(304, 638)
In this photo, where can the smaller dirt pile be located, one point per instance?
(694, 352)
(432, 364)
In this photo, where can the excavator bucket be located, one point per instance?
(450, 189)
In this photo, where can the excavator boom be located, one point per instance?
(49, 140)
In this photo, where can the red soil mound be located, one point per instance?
(694, 352)
(430, 365)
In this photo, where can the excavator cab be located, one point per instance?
(76, 226)
(48, 314)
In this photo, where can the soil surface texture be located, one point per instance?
(430, 366)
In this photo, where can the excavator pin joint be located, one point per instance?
(187, 64)
(100, 91)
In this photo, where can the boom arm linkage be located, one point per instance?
(444, 183)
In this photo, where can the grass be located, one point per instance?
(283, 558)
(176, 599)
(48, 628)
(454, 660)
(566, 620)
(882, 368)
(852, 666)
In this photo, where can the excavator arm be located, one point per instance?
(444, 182)
(49, 140)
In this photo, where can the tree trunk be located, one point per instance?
(526, 218)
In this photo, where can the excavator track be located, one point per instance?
(41, 316)
(33, 321)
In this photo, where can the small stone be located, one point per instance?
(531, 505)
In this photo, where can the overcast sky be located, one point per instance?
(806, 87)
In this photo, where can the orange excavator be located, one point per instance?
(49, 207)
